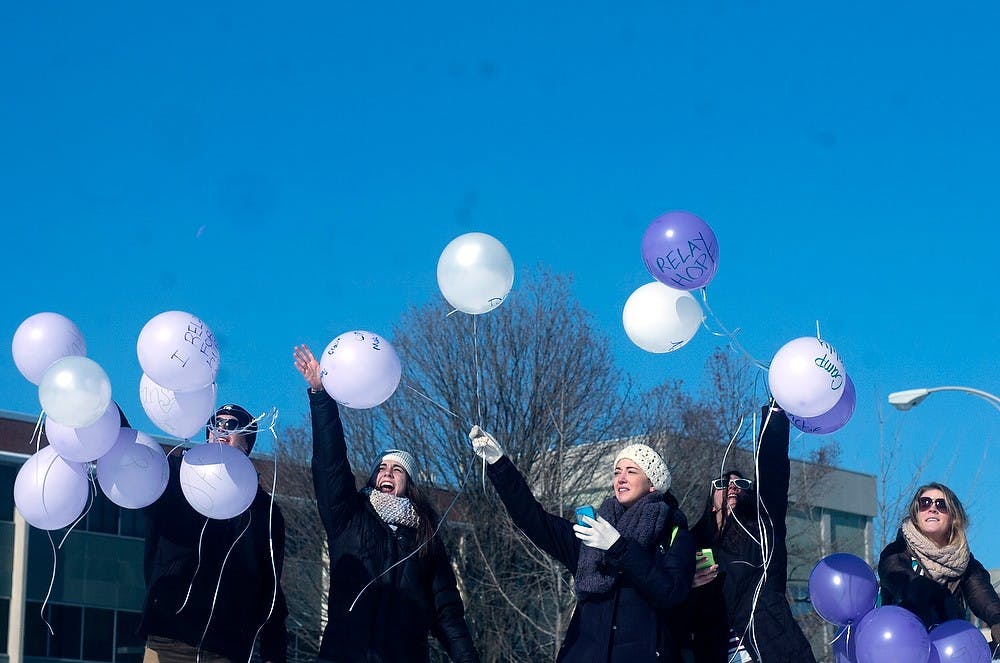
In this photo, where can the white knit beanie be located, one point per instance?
(650, 462)
(404, 458)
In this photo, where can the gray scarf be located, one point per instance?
(642, 522)
(945, 564)
(394, 510)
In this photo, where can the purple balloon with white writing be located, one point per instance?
(891, 634)
(842, 588)
(958, 641)
(833, 419)
(680, 250)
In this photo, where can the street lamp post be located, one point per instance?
(910, 398)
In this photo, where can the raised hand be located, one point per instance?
(485, 446)
(307, 365)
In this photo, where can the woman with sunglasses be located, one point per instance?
(736, 612)
(929, 569)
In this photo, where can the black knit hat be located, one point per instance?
(248, 426)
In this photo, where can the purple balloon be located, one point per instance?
(958, 641)
(680, 250)
(845, 645)
(891, 634)
(842, 588)
(833, 419)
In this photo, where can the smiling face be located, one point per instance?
(630, 482)
(934, 516)
(222, 431)
(729, 492)
(391, 478)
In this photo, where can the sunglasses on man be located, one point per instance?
(742, 484)
(228, 424)
(925, 503)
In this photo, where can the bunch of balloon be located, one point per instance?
(808, 380)
(360, 369)
(843, 589)
(81, 425)
(475, 273)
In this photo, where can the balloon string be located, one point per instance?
(218, 583)
(444, 517)
(196, 568)
(734, 344)
(52, 582)
(270, 532)
(36, 435)
(90, 504)
(479, 402)
(438, 405)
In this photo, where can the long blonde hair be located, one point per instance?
(959, 519)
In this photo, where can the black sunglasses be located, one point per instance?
(226, 424)
(939, 504)
(742, 484)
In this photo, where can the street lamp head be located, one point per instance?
(908, 399)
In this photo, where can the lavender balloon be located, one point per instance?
(842, 588)
(360, 369)
(958, 641)
(41, 340)
(134, 473)
(680, 250)
(833, 419)
(51, 492)
(891, 634)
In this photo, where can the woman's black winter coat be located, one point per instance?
(930, 600)
(776, 637)
(394, 616)
(631, 623)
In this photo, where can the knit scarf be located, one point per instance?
(643, 522)
(394, 510)
(944, 565)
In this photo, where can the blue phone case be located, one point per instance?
(585, 511)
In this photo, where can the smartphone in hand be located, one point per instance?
(586, 510)
(703, 559)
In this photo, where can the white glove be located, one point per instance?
(601, 534)
(484, 445)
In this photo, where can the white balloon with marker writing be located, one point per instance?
(217, 480)
(41, 340)
(475, 273)
(806, 377)
(178, 351)
(75, 391)
(660, 319)
(49, 491)
(86, 443)
(134, 473)
(182, 414)
(360, 369)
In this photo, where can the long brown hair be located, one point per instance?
(959, 519)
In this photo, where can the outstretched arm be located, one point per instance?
(333, 479)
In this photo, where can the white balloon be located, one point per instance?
(51, 492)
(217, 480)
(475, 273)
(75, 391)
(41, 340)
(360, 369)
(806, 377)
(178, 413)
(178, 351)
(88, 442)
(134, 473)
(659, 318)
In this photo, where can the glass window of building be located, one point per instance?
(98, 634)
(129, 646)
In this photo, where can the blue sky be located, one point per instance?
(290, 174)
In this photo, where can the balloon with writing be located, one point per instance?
(833, 419)
(958, 641)
(178, 413)
(360, 369)
(659, 318)
(75, 391)
(806, 377)
(475, 273)
(134, 473)
(86, 443)
(178, 351)
(842, 588)
(51, 492)
(891, 634)
(41, 340)
(217, 480)
(680, 250)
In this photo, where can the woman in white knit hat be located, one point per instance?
(633, 564)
